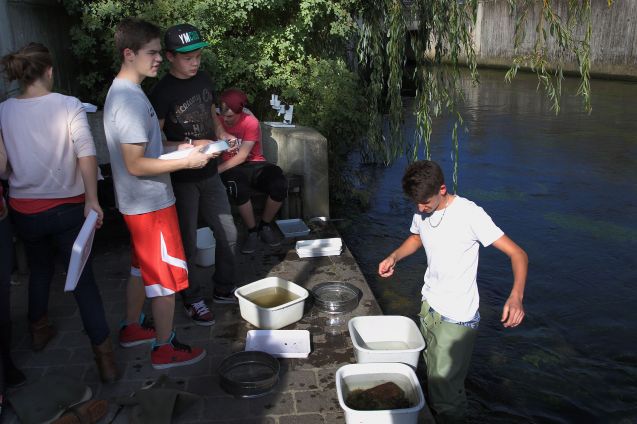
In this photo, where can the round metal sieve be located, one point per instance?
(249, 374)
(336, 296)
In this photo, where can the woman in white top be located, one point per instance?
(52, 171)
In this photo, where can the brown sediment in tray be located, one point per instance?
(384, 396)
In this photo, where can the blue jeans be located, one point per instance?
(42, 233)
(6, 265)
(206, 199)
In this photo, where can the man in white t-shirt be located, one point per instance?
(145, 198)
(451, 229)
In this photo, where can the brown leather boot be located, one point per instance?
(105, 360)
(42, 331)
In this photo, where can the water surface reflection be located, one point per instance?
(565, 188)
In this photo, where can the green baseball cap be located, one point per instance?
(183, 38)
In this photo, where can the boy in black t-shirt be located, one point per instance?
(184, 101)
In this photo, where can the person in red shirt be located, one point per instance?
(244, 168)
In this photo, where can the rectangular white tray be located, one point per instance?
(293, 227)
(278, 124)
(318, 252)
(280, 343)
(329, 244)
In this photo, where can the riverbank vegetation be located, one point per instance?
(342, 62)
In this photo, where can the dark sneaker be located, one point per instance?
(269, 236)
(200, 314)
(136, 334)
(251, 242)
(229, 297)
(175, 354)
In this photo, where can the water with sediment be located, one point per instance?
(564, 188)
(271, 297)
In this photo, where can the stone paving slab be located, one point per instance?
(306, 392)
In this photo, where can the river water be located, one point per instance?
(565, 189)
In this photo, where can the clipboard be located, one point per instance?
(81, 251)
(214, 147)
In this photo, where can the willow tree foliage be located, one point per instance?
(442, 43)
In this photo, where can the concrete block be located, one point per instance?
(302, 151)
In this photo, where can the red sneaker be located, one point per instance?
(175, 354)
(136, 334)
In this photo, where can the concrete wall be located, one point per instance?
(613, 44)
(44, 21)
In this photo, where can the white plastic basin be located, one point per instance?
(275, 317)
(365, 376)
(386, 338)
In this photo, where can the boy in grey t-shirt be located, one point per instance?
(145, 198)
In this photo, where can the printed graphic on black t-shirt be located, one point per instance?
(185, 106)
(191, 118)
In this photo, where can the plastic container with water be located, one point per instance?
(386, 338)
(353, 377)
(205, 247)
(271, 303)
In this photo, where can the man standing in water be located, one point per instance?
(450, 228)
(145, 198)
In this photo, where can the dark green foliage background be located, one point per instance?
(295, 48)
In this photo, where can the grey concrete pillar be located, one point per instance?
(303, 151)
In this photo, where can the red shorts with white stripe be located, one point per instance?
(157, 253)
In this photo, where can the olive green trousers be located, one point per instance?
(447, 357)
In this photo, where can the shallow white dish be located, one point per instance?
(313, 253)
(329, 243)
(293, 227)
(280, 343)
(279, 124)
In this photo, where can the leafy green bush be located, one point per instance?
(294, 48)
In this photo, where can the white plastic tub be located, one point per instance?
(386, 338)
(365, 376)
(275, 317)
(205, 247)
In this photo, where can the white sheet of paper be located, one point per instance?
(215, 146)
(81, 251)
